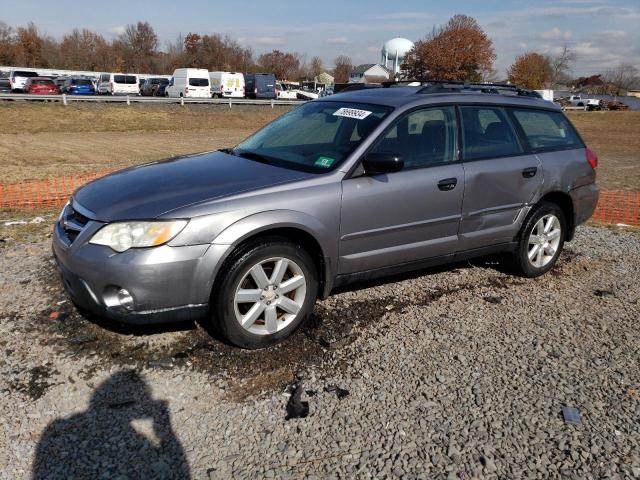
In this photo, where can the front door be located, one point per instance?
(414, 214)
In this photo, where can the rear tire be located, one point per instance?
(540, 241)
(266, 291)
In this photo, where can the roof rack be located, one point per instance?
(444, 86)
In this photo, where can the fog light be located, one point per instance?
(125, 299)
(118, 299)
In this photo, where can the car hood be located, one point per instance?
(150, 190)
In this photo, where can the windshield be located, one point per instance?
(315, 137)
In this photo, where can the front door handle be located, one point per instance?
(447, 184)
(529, 172)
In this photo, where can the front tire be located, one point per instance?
(265, 293)
(540, 242)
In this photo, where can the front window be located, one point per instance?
(315, 137)
(423, 137)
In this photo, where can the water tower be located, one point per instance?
(394, 52)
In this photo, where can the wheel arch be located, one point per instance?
(565, 202)
(302, 229)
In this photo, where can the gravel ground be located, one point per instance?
(462, 373)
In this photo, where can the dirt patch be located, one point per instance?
(615, 137)
(55, 141)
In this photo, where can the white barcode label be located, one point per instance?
(352, 113)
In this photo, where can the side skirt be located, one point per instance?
(348, 278)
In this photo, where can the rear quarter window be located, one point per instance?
(546, 130)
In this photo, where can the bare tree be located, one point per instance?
(561, 65)
(7, 45)
(342, 68)
(283, 65)
(622, 78)
(137, 46)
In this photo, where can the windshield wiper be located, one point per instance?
(251, 156)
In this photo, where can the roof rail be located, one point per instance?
(444, 86)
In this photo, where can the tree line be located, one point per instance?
(458, 50)
(137, 49)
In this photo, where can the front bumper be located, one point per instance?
(167, 283)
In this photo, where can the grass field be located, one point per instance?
(41, 141)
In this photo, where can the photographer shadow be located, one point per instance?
(125, 433)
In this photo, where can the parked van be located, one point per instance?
(260, 85)
(118, 84)
(18, 79)
(227, 84)
(189, 82)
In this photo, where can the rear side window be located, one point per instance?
(547, 130)
(199, 82)
(487, 133)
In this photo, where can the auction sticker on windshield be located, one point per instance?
(352, 113)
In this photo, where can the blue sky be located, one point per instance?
(603, 33)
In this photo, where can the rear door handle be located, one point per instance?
(529, 172)
(447, 184)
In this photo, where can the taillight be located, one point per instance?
(255, 90)
(111, 86)
(186, 89)
(592, 158)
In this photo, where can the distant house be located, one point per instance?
(634, 93)
(370, 73)
(325, 78)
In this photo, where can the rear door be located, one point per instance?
(501, 177)
(414, 214)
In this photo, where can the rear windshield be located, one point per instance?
(42, 82)
(546, 130)
(81, 81)
(128, 79)
(25, 74)
(199, 82)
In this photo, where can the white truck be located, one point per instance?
(227, 84)
(189, 82)
(579, 101)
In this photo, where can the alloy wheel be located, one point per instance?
(270, 295)
(544, 241)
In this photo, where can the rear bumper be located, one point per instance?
(585, 200)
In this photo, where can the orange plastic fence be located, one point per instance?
(618, 207)
(613, 207)
(53, 192)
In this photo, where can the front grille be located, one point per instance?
(72, 223)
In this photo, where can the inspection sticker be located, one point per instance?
(324, 162)
(352, 113)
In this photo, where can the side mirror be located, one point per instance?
(382, 163)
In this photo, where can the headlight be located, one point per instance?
(122, 236)
(64, 209)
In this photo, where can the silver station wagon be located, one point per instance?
(358, 185)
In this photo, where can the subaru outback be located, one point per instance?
(358, 185)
